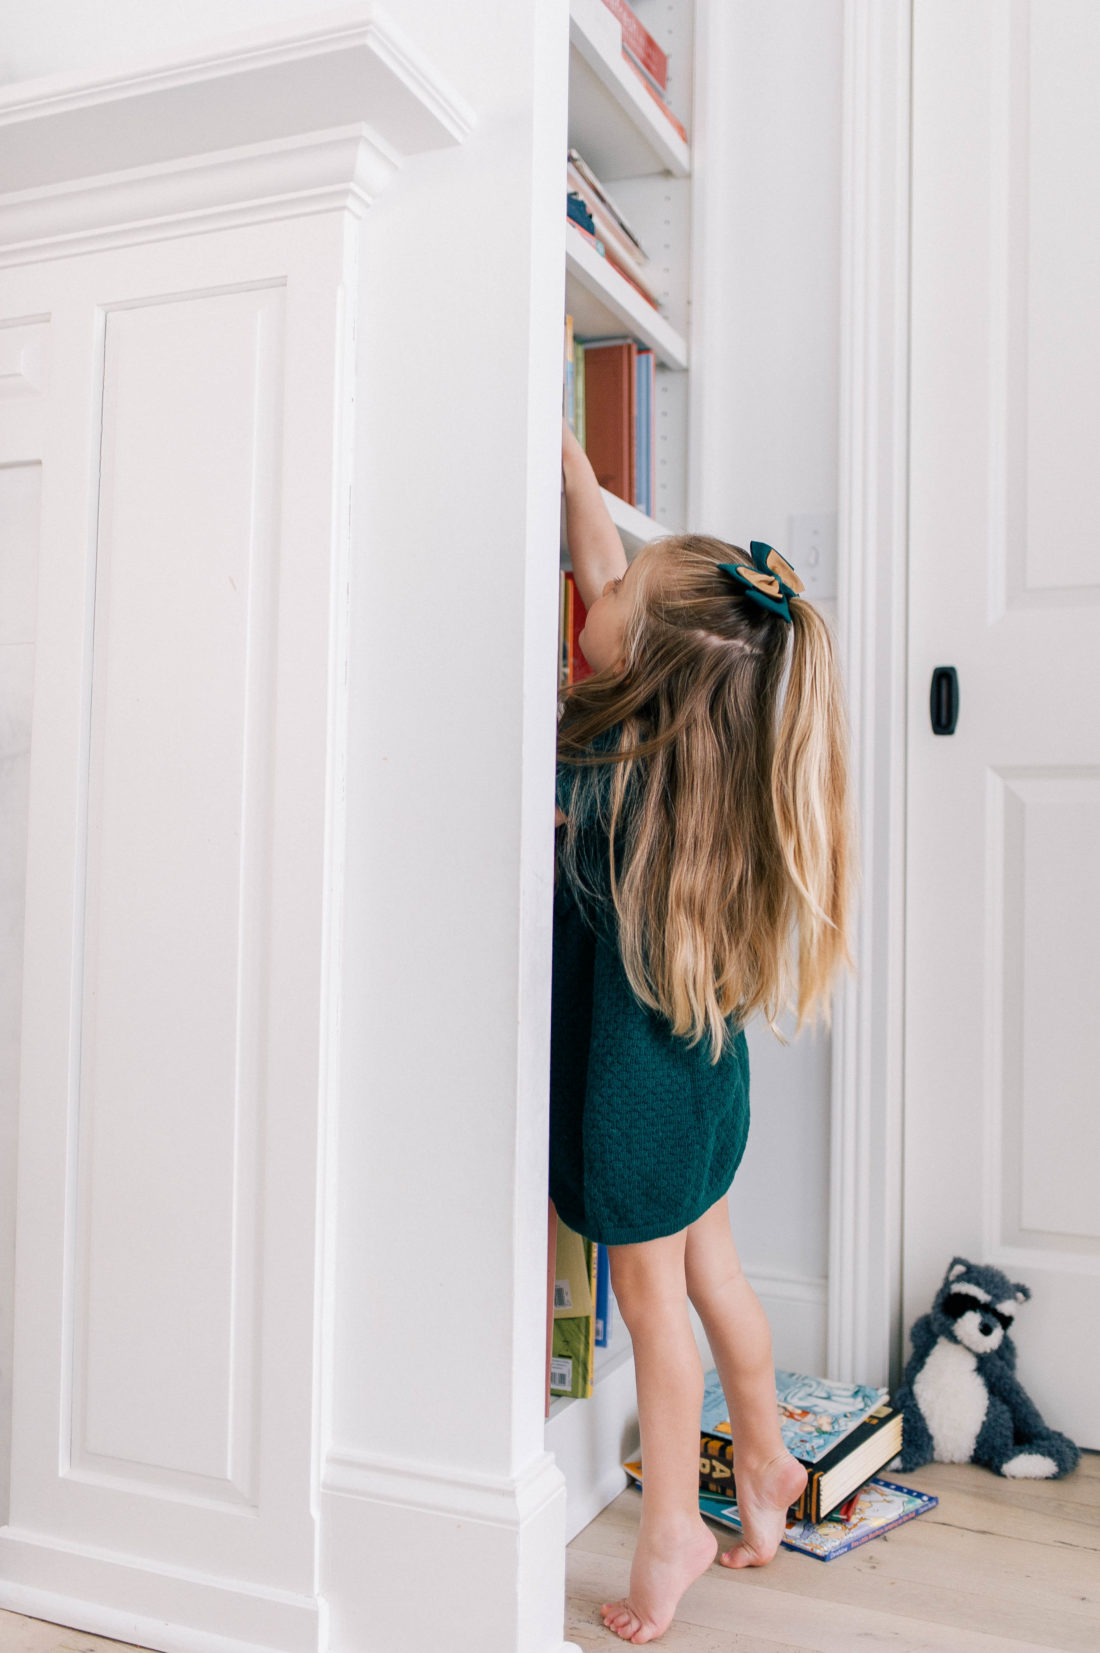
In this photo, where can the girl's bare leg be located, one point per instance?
(768, 1478)
(675, 1544)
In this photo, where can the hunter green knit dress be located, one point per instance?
(645, 1134)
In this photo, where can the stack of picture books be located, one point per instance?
(590, 209)
(842, 1433)
(610, 404)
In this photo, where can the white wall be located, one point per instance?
(765, 448)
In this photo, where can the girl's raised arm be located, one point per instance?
(595, 549)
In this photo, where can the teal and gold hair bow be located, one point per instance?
(770, 581)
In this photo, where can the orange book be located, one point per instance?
(640, 41)
(610, 381)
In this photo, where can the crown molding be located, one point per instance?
(256, 125)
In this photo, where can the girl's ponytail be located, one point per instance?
(810, 796)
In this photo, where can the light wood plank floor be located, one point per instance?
(998, 1564)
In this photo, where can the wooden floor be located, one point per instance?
(998, 1564)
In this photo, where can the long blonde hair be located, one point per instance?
(728, 814)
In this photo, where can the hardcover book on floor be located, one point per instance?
(877, 1508)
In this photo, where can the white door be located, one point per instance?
(1002, 1102)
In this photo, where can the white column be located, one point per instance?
(437, 1487)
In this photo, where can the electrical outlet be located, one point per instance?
(812, 539)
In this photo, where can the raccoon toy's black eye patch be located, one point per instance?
(958, 1303)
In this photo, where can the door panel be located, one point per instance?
(1002, 1135)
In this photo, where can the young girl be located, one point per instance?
(703, 850)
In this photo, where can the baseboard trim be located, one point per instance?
(290, 1623)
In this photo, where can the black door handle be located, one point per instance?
(944, 700)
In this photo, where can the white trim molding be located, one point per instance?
(271, 123)
(865, 1338)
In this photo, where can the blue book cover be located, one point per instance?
(642, 430)
(651, 432)
(570, 404)
(579, 213)
(603, 1296)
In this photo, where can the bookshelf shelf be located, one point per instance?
(613, 120)
(635, 528)
(602, 302)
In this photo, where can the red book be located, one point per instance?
(610, 380)
(640, 41)
(578, 665)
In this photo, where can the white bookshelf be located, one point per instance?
(601, 301)
(634, 150)
(635, 528)
(613, 120)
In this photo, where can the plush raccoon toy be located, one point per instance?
(960, 1399)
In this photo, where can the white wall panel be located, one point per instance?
(1061, 270)
(1048, 821)
(180, 861)
(1045, 367)
(20, 531)
(178, 877)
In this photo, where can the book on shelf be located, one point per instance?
(573, 399)
(595, 227)
(641, 45)
(877, 1508)
(611, 413)
(551, 1261)
(842, 1434)
(571, 617)
(581, 176)
(569, 377)
(610, 404)
(645, 468)
(603, 1297)
(573, 1354)
(574, 227)
(645, 58)
(590, 207)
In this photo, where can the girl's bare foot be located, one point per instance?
(763, 1497)
(664, 1565)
